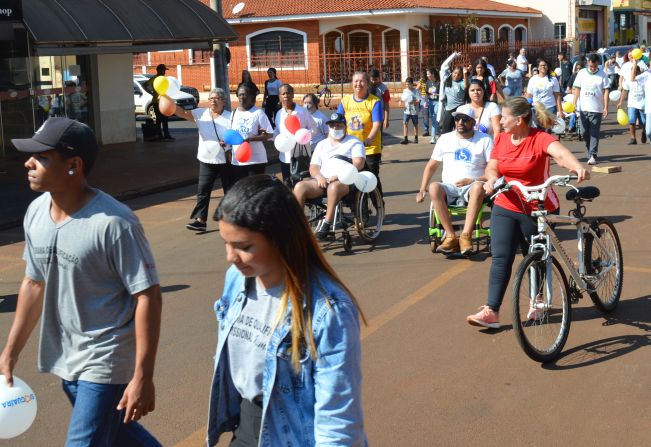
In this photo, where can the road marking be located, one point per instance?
(199, 436)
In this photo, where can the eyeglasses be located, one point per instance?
(463, 119)
(215, 98)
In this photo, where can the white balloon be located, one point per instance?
(366, 181)
(559, 127)
(506, 91)
(284, 142)
(174, 86)
(615, 95)
(303, 136)
(558, 71)
(406, 97)
(17, 408)
(347, 173)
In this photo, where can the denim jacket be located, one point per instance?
(319, 406)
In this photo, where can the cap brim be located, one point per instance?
(30, 145)
(456, 114)
(335, 121)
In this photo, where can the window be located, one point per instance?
(278, 48)
(472, 34)
(487, 34)
(559, 31)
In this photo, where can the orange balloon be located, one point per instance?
(243, 152)
(166, 105)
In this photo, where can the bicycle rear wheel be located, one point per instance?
(541, 308)
(604, 264)
(327, 96)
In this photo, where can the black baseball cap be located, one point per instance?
(160, 67)
(68, 136)
(336, 118)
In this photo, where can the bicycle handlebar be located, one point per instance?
(537, 192)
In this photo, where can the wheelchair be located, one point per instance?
(481, 235)
(363, 212)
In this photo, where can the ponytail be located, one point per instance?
(545, 118)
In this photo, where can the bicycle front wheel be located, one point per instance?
(327, 96)
(602, 257)
(541, 307)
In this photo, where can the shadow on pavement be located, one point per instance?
(174, 288)
(8, 303)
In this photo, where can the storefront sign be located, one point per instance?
(587, 26)
(11, 10)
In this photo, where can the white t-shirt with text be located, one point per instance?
(324, 154)
(248, 123)
(543, 88)
(462, 158)
(592, 87)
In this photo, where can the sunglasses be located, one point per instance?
(463, 119)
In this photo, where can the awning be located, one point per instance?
(121, 26)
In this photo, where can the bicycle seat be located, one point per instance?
(583, 193)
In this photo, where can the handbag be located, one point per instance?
(299, 165)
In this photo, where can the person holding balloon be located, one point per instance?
(591, 87)
(512, 79)
(644, 81)
(213, 152)
(91, 279)
(151, 87)
(252, 128)
(464, 154)
(289, 120)
(320, 132)
(297, 379)
(487, 113)
(545, 89)
(336, 155)
(633, 92)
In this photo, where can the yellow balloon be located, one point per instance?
(553, 73)
(161, 85)
(622, 117)
(637, 54)
(568, 107)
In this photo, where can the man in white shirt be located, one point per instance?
(464, 154)
(644, 81)
(326, 160)
(523, 63)
(591, 88)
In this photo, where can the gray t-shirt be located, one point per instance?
(92, 264)
(248, 339)
(455, 95)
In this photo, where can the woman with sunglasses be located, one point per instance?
(288, 358)
(214, 159)
(487, 113)
(545, 89)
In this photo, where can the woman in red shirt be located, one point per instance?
(520, 153)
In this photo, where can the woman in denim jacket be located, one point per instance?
(288, 361)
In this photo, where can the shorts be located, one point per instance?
(635, 115)
(456, 196)
(413, 118)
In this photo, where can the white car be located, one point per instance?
(142, 98)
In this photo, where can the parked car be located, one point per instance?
(184, 88)
(142, 99)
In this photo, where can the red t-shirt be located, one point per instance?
(528, 163)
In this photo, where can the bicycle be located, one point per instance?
(542, 295)
(325, 92)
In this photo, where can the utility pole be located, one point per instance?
(220, 62)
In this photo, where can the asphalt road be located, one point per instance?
(429, 378)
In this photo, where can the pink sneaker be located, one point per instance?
(536, 309)
(486, 317)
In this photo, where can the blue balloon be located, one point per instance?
(233, 137)
(530, 100)
(483, 128)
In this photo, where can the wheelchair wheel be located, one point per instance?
(369, 214)
(314, 213)
(348, 242)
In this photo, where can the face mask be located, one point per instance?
(309, 107)
(337, 134)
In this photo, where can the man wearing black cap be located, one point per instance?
(325, 164)
(161, 120)
(90, 275)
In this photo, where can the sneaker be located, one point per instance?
(405, 141)
(632, 141)
(592, 160)
(432, 140)
(450, 245)
(536, 312)
(416, 140)
(486, 317)
(323, 230)
(643, 138)
(196, 226)
(465, 244)
(426, 134)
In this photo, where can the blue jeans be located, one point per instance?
(95, 420)
(433, 108)
(426, 115)
(591, 123)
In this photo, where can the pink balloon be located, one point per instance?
(292, 124)
(303, 136)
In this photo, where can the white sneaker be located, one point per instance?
(592, 160)
(432, 140)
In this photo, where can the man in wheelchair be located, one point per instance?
(464, 153)
(327, 158)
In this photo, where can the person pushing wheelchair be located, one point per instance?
(327, 158)
(464, 153)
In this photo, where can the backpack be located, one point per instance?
(299, 166)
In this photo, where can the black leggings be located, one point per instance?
(509, 230)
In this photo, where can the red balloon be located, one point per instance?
(166, 105)
(292, 124)
(243, 152)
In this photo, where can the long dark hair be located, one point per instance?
(448, 81)
(480, 83)
(263, 204)
(549, 68)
